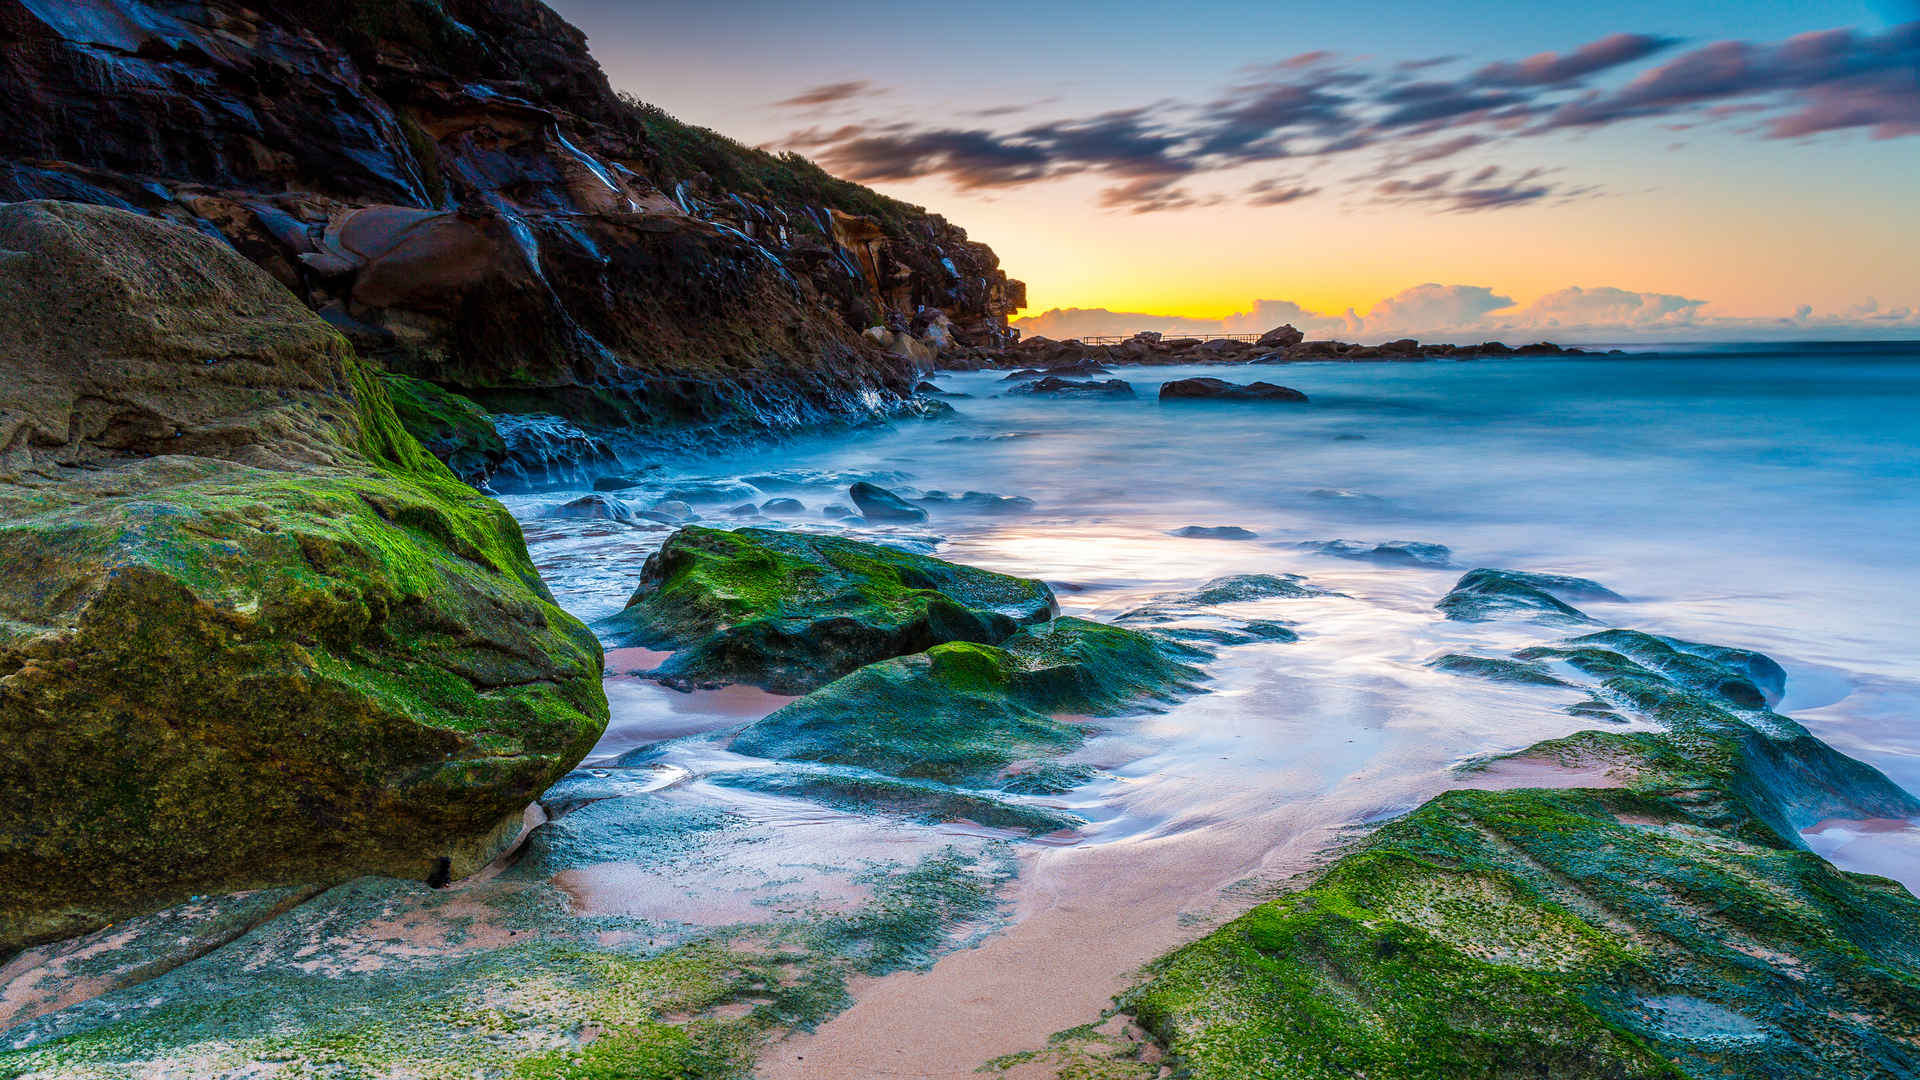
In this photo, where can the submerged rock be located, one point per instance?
(978, 502)
(791, 611)
(1233, 589)
(1222, 390)
(1498, 669)
(878, 504)
(1215, 532)
(253, 634)
(1078, 369)
(1486, 594)
(597, 506)
(783, 506)
(1391, 553)
(960, 713)
(917, 800)
(1053, 384)
(671, 511)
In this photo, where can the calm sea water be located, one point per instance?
(1766, 497)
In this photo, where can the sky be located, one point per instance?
(1631, 171)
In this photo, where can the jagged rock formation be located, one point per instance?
(1040, 356)
(456, 187)
(250, 633)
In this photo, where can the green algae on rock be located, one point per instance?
(791, 612)
(1498, 669)
(251, 634)
(961, 713)
(1668, 924)
(1485, 594)
(450, 427)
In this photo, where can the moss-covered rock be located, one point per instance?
(250, 634)
(960, 713)
(793, 611)
(452, 428)
(1555, 933)
(1674, 926)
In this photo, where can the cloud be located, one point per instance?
(1278, 191)
(1829, 79)
(1434, 306)
(1482, 190)
(1315, 106)
(1150, 193)
(1556, 69)
(969, 159)
(1606, 306)
(829, 94)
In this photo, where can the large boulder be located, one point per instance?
(792, 611)
(251, 634)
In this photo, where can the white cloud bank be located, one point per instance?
(1570, 316)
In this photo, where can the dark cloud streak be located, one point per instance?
(1311, 106)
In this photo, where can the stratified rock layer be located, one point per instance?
(250, 633)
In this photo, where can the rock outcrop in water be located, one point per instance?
(455, 186)
(1205, 389)
(1485, 594)
(792, 611)
(1658, 917)
(961, 713)
(1039, 356)
(250, 633)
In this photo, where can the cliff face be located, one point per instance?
(456, 187)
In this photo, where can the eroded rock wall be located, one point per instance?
(456, 187)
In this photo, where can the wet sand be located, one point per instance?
(1084, 920)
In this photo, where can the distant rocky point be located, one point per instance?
(1040, 356)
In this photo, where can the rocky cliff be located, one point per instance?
(455, 186)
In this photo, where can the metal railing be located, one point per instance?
(1115, 339)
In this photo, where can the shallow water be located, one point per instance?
(1762, 498)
